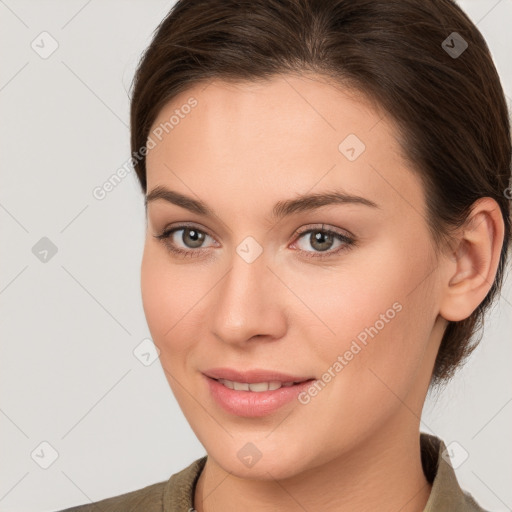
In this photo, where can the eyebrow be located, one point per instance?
(302, 203)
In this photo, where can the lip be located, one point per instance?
(255, 375)
(252, 404)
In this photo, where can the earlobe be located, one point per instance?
(471, 270)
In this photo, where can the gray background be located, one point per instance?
(70, 325)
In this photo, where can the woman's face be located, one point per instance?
(263, 286)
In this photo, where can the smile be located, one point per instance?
(254, 399)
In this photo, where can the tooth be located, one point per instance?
(255, 386)
(241, 386)
(259, 386)
(226, 383)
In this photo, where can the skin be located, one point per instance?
(244, 147)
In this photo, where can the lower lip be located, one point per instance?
(253, 404)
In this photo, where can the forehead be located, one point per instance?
(269, 139)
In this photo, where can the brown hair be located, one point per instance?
(450, 109)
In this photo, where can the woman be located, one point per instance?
(327, 223)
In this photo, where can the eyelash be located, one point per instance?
(348, 242)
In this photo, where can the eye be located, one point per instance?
(322, 241)
(191, 238)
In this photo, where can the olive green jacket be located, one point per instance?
(177, 493)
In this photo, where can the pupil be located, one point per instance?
(196, 237)
(322, 238)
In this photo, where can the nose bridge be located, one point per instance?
(246, 304)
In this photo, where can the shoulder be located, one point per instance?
(446, 494)
(149, 499)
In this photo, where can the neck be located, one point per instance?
(383, 473)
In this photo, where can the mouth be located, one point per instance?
(253, 393)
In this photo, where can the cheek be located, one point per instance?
(362, 289)
(173, 297)
(153, 290)
(370, 362)
(376, 313)
(164, 296)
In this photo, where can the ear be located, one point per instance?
(469, 270)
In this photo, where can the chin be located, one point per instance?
(260, 460)
(264, 470)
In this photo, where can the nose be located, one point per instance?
(249, 302)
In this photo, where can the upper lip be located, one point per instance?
(254, 375)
